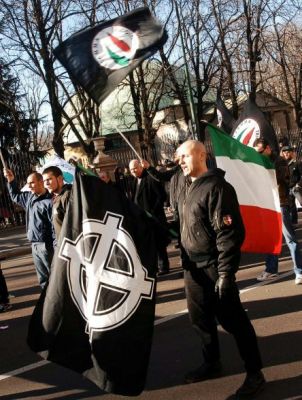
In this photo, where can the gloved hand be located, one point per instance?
(226, 285)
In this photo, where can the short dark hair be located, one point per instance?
(262, 141)
(56, 171)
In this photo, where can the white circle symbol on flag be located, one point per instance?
(247, 132)
(114, 47)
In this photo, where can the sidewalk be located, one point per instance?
(13, 242)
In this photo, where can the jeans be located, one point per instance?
(293, 208)
(271, 260)
(42, 255)
(205, 306)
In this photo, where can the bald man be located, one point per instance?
(37, 203)
(212, 233)
(150, 195)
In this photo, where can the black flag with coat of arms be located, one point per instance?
(99, 58)
(252, 124)
(96, 316)
(225, 119)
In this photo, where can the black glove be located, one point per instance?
(226, 285)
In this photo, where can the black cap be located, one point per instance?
(287, 148)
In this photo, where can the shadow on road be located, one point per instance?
(290, 388)
(272, 307)
(165, 296)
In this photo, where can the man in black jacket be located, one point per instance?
(149, 194)
(212, 233)
(54, 183)
(295, 180)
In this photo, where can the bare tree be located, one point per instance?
(36, 108)
(223, 31)
(201, 52)
(32, 29)
(283, 45)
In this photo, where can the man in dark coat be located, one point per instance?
(212, 233)
(54, 183)
(149, 194)
(295, 180)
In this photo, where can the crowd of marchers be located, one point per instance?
(211, 231)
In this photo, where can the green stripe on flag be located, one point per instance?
(86, 171)
(226, 146)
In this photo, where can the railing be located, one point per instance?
(23, 163)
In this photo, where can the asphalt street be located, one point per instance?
(275, 309)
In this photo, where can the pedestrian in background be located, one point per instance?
(212, 233)
(40, 232)
(283, 178)
(54, 182)
(295, 181)
(149, 194)
(105, 177)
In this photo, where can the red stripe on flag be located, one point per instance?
(119, 43)
(263, 230)
(248, 136)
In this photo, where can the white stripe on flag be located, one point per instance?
(251, 182)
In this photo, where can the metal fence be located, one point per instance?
(24, 163)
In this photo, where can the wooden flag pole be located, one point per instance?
(2, 159)
(129, 144)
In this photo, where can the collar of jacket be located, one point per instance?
(210, 173)
(144, 174)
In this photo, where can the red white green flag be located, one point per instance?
(254, 179)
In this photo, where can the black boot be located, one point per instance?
(253, 384)
(204, 372)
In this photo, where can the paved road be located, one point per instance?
(274, 308)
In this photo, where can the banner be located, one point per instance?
(96, 316)
(225, 119)
(99, 58)
(252, 124)
(254, 179)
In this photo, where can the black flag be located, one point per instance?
(99, 58)
(96, 316)
(252, 124)
(225, 119)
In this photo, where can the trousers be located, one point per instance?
(271, 260)
(42, 255)
(205, 307)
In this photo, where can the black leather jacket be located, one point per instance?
(60, 203)
(212, 230)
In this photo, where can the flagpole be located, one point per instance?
(129, 144)
(2, 159)
(194, 118)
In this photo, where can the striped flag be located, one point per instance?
(254, 179)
